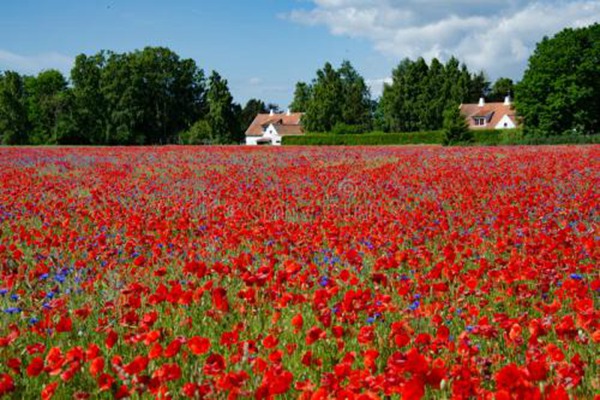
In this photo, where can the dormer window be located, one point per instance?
(479, 121)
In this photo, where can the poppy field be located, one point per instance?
(301, 273)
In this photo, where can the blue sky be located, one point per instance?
(262, 47)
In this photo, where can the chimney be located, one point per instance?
(271, 113)
(481, 102)
(507, 100)
(289, 112)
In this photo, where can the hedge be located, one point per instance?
(374, 138)
(487, 137)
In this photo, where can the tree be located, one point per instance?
(502, 87)
(336, 97)
(325, 109)
(356, 98)
(14, 124)
(90, 106)
(560, 90)
(252, 108)
(302, 97)
(199, 133)
(221, 116)
(419, 94)
(456, 127)
(47, 102)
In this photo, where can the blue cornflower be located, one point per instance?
(43, 277)
(576, 277)
(33, 321)
(14, 297)
(3, 291)
(59, 278)
(324, 281)
(470, 328)
(46, 306)
(370, 320)
(12, 310)
(414, 305)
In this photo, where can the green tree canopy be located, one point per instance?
(252, 108)
(335, 97)
(302, 97)
(14, 124)
(502, 87)
(420, 93)
(560, 90)
(221, 112)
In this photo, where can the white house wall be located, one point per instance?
(506, 120)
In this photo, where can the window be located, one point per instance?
(479, 121)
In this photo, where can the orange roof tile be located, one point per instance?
(493, 112)
(290, 124)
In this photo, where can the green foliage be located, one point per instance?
(419, 94)
(302, 97)
(14, 123)
(456, 128)
(346, 129)
(501, 88)
(221, 114)
(252, 108)
(48, 105)
(365, 139)
(199, 133)
(560, 91)
(335, 96)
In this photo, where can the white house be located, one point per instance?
(490, 115)
(269, 129)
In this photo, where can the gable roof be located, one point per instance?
(283, 123)
(492, 112)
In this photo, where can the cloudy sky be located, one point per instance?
(264, 46)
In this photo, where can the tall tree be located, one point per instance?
(252, 108)
(501, 88)
(14, 124)
(560, 90)
(356, 98)
(47, 100)
(90, 106)
(302, 97)
(325, 109)
(221, 115)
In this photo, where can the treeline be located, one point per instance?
(151, 96)
(339, 100)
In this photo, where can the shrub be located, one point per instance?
(346, 129)
(456, 128)
(199, 133)
(365, 139)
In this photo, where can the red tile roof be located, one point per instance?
(284, 123)
(492, 112)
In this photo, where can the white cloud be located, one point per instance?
(255, 81)
(34, 63)
(495, 35)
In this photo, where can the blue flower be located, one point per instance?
(576, 277)
(324, 281)
(414, 305)
(43, 277)
(3, 292)
(370, 320)
(470, 328)
(14, 297)
(33, 321)
(50, 295)
(12, 310)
